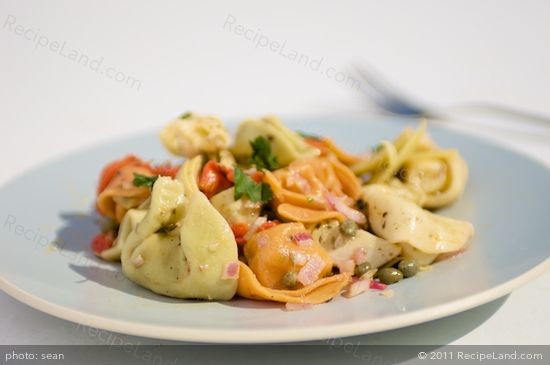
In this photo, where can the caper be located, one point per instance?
(362, 269)
(389, 275)
(392, 262)
(408, 267)
(290, 280)
(348, 228)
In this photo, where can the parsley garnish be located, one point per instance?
(186, 115)
(309, 136)
(245, 186)
(261, 154)
(142, 180)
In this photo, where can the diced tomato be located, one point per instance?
(267, 225)
(110, 171)
(240, 241)
(239, 231)
(166, 170)
(212, 179)
(228, 172)
(102, 242)
(257, 176)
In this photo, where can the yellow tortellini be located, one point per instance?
(194, 134)
(130, 221)
(441, 176)
(188, 174)
(399, 220)
(180, 247)
(433, 176)
(286, 144)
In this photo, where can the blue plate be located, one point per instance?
(47, 225)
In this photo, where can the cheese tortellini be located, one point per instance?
(278, 216)
(286, 144)
(193, 134)
(180, 247)
(433, 176)
(399, 220)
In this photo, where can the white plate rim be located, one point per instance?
(269, 336)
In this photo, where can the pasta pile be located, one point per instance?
(301, 189)
(277, 215)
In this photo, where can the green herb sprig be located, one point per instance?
(245, 186)
(262, 156)
(144, 181)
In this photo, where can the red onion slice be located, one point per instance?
(303, 239)
(309, 273)
(231, 271)
(376, 285)
(356, 288)
(350, 213)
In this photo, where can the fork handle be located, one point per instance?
(498, 120)
(520, 116)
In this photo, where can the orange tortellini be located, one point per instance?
(303, 190)
(285, 264)
(121, 195)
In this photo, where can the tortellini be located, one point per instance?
(319, 292)
(274, 252)
(181, 247)
(195, 134)
(130, 221)
(310, 220)
(302, 189)
(434, 177)
(399, 220)
(121, 195)
(188, 174)
(441, 177)
(286, 144)
(288, 249)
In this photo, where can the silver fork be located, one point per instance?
(390, 99)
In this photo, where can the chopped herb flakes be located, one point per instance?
(186, 115)
(245, 186)
(262, 156)
(142, 180)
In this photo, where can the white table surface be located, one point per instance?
(184, 58)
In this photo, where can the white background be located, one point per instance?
(184, 59)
